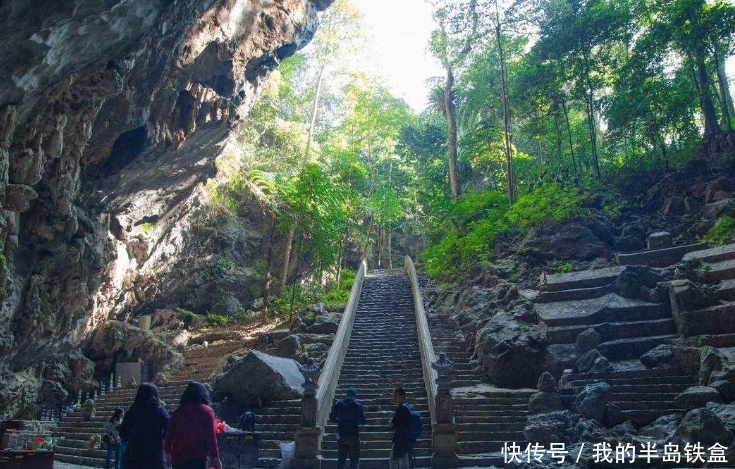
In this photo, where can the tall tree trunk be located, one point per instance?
(296, 280)
(305, 161)
(287, 257)
(388, 247)
(451, 115)
(508, 136)
(591, 124)
(724, 88)
(559, 137)
(268, 262)
(314, 112)
(711, 127)
(569, 133)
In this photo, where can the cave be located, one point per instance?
(125, 150)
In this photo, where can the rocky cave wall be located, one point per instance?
(111, 116)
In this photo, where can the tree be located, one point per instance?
(451, 52)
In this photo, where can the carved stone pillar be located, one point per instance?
(308, 437)
(444, 433)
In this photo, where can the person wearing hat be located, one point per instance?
(349, 415)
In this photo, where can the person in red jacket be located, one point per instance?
(190, 436)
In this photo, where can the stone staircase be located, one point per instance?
(383, 354)
(642, 394)
(485, 417)
(715, 266)
(275, 424)
(572, 303)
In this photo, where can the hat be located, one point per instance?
(351, 392)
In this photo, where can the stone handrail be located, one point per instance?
(425, 346)
(333, 365)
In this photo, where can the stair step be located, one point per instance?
(716, 254)
(608, 308)
(622, 349)
(614, 330)
(663, 257)
(585, 279)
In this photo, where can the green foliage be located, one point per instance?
(562, 267)
(147, 228)
(723, 232)
(470, 227)
(466, 232)
(217, 320)
(549, 203)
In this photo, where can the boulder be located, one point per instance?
(697, 396)
(588, 340)
(702, 426)
(592, 361)
(325, 324)
(628, 284)
(272, 337)
(130, 343)
(509, 355)
(259, 379)
(725, 413)
(613, 415)
(52, 392)
(711, 360)
(572, 241)
(627, 427)
(552, 427)
(661, 356)
(659, 240)
(544, 402)
(591, 402)
(289, 347)
(546, 382)
(726, 388)
(715, 210)
(662, 428)
(674, 206)
(724, 381)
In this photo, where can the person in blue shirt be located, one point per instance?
(400, 453)
(349, 414)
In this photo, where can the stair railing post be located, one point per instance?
(444, 431)
(308, 441)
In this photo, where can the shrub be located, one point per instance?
(217, 320)
(723, 231)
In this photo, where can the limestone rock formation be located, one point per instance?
(277, 379)
(130, 343)
(511, 355)
(111, 116)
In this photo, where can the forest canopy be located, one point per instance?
(541, 102)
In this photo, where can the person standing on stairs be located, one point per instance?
(142, 430)
(349, 414)
(401, 451)
(114, 444)
(190, 436)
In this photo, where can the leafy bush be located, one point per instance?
(548, 203)
(562, 267)
(723, 231)
(468, 230)
(472, 225)
(217, 320)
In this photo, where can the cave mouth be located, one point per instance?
(125, 150)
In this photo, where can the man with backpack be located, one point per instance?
(349, 415)
(407, 427)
